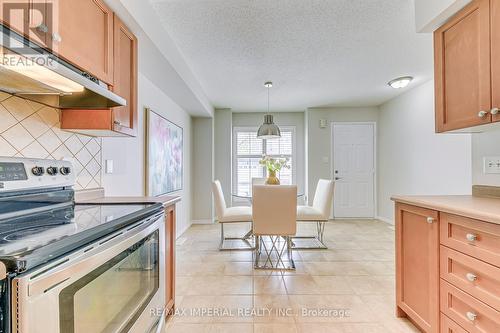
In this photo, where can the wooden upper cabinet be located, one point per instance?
(118, 121)
(27, 17)
(82, 33)
(125, 78)
(495, 58)
(462, 68)
(417, 266)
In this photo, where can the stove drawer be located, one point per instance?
(471, 314)
(473, 276)
(473, 237)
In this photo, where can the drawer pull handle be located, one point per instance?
(471, 316)
(430, 220)
(471, 277)
(471, 237)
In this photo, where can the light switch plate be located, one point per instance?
(109, 166)
(491, 164)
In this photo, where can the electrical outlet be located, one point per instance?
(109, 166)
(491, 164)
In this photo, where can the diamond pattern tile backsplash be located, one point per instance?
(29, 129)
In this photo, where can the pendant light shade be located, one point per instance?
(268, 130)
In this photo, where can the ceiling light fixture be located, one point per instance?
(400, 82)
(268, 130)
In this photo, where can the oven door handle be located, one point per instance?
(85, 261)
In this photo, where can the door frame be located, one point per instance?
(332, 163)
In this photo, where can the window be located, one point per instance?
(248, 150)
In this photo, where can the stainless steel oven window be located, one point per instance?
(114, 295)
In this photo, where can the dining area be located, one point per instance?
(272, 219)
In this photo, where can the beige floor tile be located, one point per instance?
(273, 309)
(269, 285)
(356, 275)
(341, 328)
(274, 328)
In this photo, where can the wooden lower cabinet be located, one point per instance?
(417, 265)
(447, 271)
(170, 259)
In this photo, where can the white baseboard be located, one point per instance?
(203, 221)
(385, 219)
(180, 232)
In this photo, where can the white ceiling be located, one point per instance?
(317, 52)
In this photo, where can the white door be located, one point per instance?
(353, 169)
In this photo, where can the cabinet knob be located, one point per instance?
(471, 277)
(430, 220)
(471, 237)
(494, 111)
(56, 37)
(482, 114)
(471, 315)
(42, 28)
(116, 122)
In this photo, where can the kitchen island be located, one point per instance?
(448, 262)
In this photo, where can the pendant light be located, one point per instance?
(268, 130)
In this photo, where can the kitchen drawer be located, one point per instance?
(473, 276)
(471, 314)
(473, 237)
(449, 326)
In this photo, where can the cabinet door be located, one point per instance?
(417, 266)
(125, 78)
(462, 69)
(28, 17)
(15, 14)
(82, 33)
(495, 58)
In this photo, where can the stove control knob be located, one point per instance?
(64, 171)
(52, 171)
(37, 171)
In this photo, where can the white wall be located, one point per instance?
(412, 158)
(128, 154)
(319, 141)
(295, 119)
(484, 144)
(223, 134)
(202, 170)
(431, 14)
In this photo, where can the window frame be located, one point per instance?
(234, 169)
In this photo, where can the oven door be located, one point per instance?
(113, 285)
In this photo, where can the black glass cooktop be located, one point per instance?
(29, 240)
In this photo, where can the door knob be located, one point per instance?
(482, 114)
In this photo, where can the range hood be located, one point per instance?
(31, 72)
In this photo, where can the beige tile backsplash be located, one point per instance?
(29, 129)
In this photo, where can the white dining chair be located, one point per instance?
(231, 215)
(274, 213)
(318, 213)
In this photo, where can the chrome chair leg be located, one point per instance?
(276, 253)
(246, 239)
(316, 241)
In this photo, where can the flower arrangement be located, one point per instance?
(274, 165)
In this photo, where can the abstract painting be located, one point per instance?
(164, 155)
